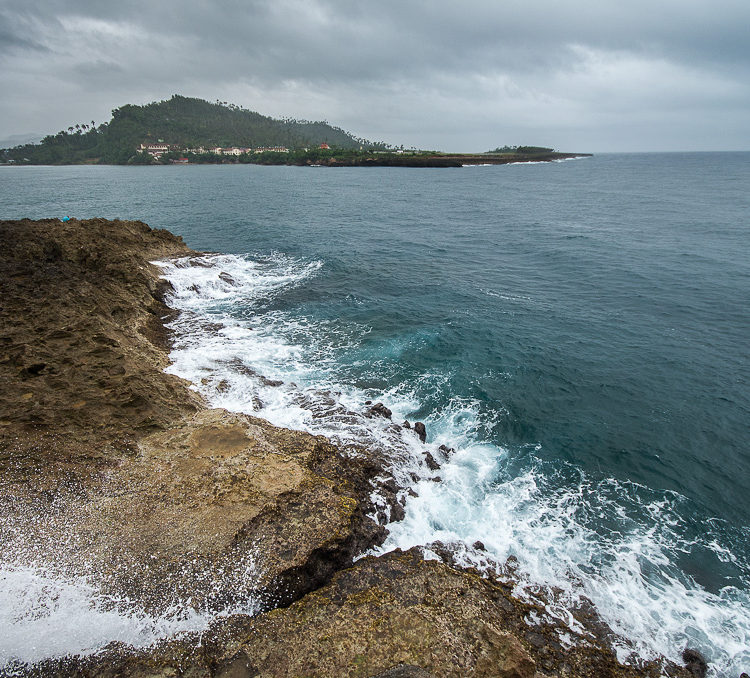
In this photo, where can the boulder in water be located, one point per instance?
(430, 461)
(420, 430)
(695, 663)
(380, 410)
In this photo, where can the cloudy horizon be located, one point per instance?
(582, 76)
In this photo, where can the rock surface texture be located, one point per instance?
(114, 470)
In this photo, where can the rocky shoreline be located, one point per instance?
(115, 471)
(447, 159)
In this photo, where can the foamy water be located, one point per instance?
(614, 542)
(43, 615)
(617, 543)
(53, 601)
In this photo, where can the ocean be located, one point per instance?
(578, 332)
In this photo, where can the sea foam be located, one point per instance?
(613, 542)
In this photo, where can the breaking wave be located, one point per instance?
(622, 545)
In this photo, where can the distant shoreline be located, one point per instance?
(372, 160)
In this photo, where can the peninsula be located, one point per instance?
(116, 472)
(183, 130)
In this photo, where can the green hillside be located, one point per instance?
(181, 121)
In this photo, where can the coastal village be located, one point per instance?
(157, 150)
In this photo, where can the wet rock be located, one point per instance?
(397, 513)
(479, 546)
(368, 402)
(433, 619)
(420, 430)
(227, 278)
(380, 410)
(406, 424)
(322, 404)
(430, 461)
(219, 493)
(447, 451)
(695, 663)
(389, 485)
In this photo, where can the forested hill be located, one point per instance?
(180, 121)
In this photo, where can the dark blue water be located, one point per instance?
(587, 321)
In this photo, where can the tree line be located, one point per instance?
(181, 121)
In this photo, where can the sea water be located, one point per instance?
(578, 332)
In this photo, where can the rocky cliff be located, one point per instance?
(117, 471)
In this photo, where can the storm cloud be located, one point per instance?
(582, 75)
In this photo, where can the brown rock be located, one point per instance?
(153, 494)
(695, 663)
(424, 616)
(378, 409)
(420, 430)
(430, 461)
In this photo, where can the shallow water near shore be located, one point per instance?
(578, 332)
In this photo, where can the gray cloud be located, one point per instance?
(580, 75)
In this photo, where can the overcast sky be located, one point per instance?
(454, 75)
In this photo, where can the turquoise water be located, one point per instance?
(578, 331)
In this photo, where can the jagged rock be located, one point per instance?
(420, 430)
(447, 451)
(406, 424)
(695, 663)
(397, 513)
(430, 461)
(479, 546)
(380, 410)
(511, 563)
(226, 492)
